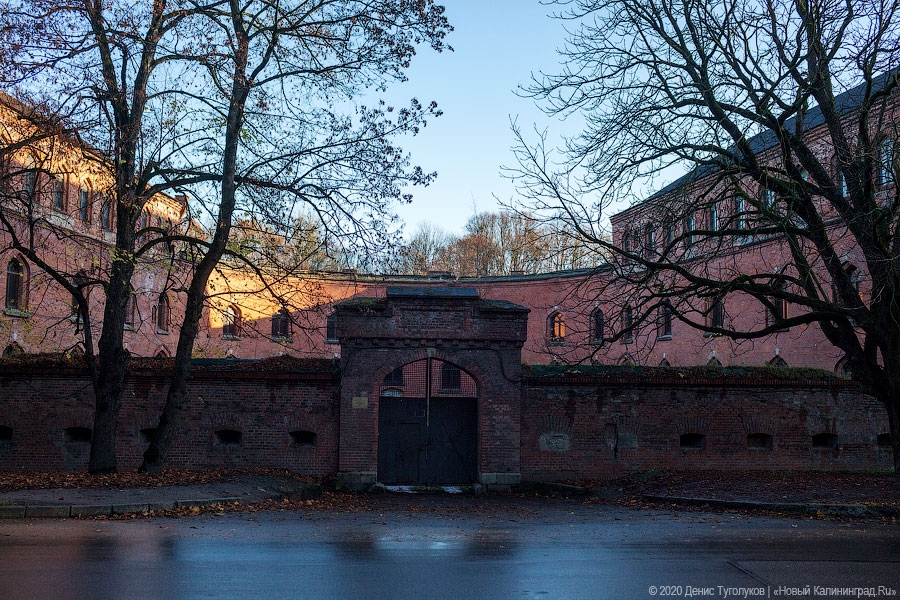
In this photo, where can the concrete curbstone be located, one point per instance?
(52, 511)
(127, 509)
(103, 510)
(10, 511)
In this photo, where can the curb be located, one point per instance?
(831, 510)
(302, 491)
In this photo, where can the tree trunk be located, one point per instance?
(110, 379)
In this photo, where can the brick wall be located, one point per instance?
(603, 426)
(40, 406)
(557, 427)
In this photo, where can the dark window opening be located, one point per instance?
(304, 439)
(627, 324)
(717, 314)
(130, 308)
(778, 362)
(451, 379)
(231, 325)
(884, 440)
(5, 433)
(15, 277)
(12, 351)
(331, 328)
(228, 437)
(692, 441)
(597, 326)
(77, 435)
(824, 441)
(84, 207)
(759, 441)
(281, 325)
(394, 378)
(162, 314)
(59, 194)
(147, 434)
(664, 327)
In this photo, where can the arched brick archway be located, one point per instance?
(483, 337)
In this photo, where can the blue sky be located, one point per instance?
(497, 45)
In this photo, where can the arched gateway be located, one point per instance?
(430, 387)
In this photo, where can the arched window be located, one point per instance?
(84, 206)
(779, 311)
(627, 324)
(131, 308)
(161, 353)
(650, 238)
(664, 325)
(13, 350)
(59, 193)
(842, 368)
(885, 171)
(626, 242)
(231, 321)
(664, 363)
(713, 362)
(15, 285)
(162, 314)
(106, 215)
(714, 216)
(717, 313)
(556, 328)
(839, 178)
(597, 326)
(331, 335)
(281, 325)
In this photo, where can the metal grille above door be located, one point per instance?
(427, 425)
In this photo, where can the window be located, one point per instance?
(597, 326)
(304, 439)
(717, 314)
(882, 441)
(779, 311)
(556, 325)
(450, 378)
(231, 322)
(331, 328)
(131, 308)
(106, 215)
(59, 193)
(670, 233)
(740, 216)
(30, 180)
(627, 324)
(76, 315)
(394, 378)
(13, 350)
(692, 441)
(6, 434)
(839, 177)
(626, 242)
(84, 207)
(664, 325)
(689, 231)
(147, 434)
(768, 197)
(714, 217)
(650, 239)
(759, 441)
(15, 285)
(885, 171)
(162, 314)
(281, 325)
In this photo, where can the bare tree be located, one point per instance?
(782, 168)
(233, 105)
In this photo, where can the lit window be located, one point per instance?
(557, 327)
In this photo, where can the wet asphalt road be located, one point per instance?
(442, 549)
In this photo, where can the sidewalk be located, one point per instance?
(90, 502)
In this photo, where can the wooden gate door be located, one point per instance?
(427, 425)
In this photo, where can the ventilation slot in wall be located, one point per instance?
(692, 441)
(759, 441)
(824, 441)
(228, 437)
(304, 439)
(77, 435)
